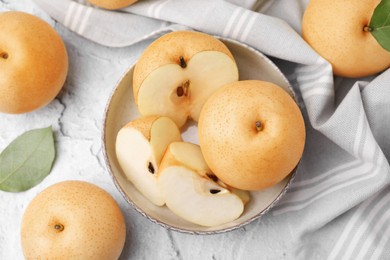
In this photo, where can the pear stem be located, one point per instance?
(183, 63)
(259, 126)
(367, 29)
(3, 54)
(59, 227)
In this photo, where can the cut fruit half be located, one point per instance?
(191, 191)
(140, 146)
(178, 72)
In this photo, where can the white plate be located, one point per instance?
(121, 109)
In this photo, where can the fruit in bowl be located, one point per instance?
(178, 72)
(193, 192)
(252, 134)
(140, 146)
(196, 200)
(33, 63)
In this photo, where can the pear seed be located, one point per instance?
(180, 91)
(184, 89)
(212, 191)
(151, 168)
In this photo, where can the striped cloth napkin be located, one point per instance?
(339, 204)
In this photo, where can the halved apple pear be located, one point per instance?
(140, 146)
(191, 191)
(178, 72)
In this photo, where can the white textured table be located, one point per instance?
(76, 117)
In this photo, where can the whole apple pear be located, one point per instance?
(252, 134)
(33, 63)
(337, 30)
(73, 220)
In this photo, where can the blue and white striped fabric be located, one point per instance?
(339, 205)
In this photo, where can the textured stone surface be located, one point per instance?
(76, 117)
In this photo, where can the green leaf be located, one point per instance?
(27, 160)
(380, 24)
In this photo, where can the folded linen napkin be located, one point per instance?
(339, 204)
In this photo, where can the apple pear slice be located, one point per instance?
(190, 155)
(178, 72)
(140, 146)
(189, 190)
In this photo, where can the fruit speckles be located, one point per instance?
(73, 217)
(337, 30)
(173, 47)
(178, 72)
(33, 78)
(112, 4)
(251, 134)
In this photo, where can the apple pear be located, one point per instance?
(190, 155)
(140, 146)
(73, 220)
(112, 4)
(340, 32)
(191, 191)
(178, 72)
(33, 63)
(252, 134)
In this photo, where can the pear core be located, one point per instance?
(178, 72)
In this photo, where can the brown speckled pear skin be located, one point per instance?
(169, 48)
(73, 220)
(334, 29)
(35, 66)
(242, 153)
(143, 124)
(112, 4)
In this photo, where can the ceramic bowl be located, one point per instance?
(121, 109)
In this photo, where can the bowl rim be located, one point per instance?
(291, 176)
